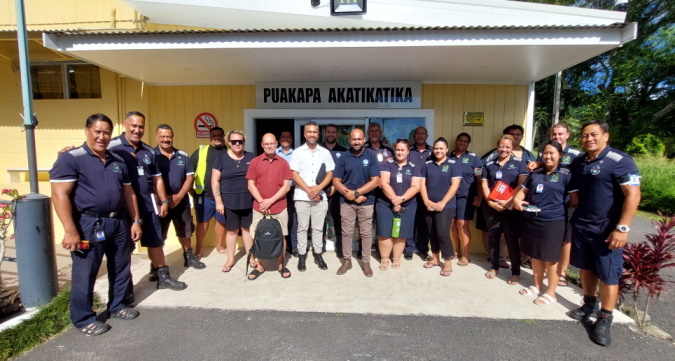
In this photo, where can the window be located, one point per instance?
(65, 81)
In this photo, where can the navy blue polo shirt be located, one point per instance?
(510, 172)
(599, 185)
(417, 157)
(336, 152)
(548, 192)
(494, 154)
(405, 173)
(439, 178)
(468, 162)
(174, 171)
(233, 182)
(383, 153)
(142, 167)
(98, 185)
(569, 154)
(355, 171)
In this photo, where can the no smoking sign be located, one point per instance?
(203, 124)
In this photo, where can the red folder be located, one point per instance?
(501, 192)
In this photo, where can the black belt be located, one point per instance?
(100, 215)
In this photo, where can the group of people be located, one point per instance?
(110, 192)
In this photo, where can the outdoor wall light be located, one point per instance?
(348, 7)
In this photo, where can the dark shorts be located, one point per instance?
(385, 218)
(205, 209)
(465, 208)
(238, 218)
(181, 216)
(481, 223)
(591, 252)
(152, 231)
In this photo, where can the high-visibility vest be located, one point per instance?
(200, 174)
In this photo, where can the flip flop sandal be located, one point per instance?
(95, 328)
(491, 274)
(562, 281)
(228, 268)
(544, 300)
(463, 263)
(530, 291)
(431, 265)
(445, 273)
(284, 271)
(125, 314)
(255, 273)
(513, 280)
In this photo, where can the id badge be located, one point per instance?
(200, 200)
(498, 175)
(399, 177)
(540, 188)
(141, 171)
(100, 233)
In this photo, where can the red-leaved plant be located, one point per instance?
(644, 261)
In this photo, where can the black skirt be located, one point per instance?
(543, 240)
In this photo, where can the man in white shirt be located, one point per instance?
(311, 202)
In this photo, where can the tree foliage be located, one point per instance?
(630, 88)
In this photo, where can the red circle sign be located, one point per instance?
(203, 124)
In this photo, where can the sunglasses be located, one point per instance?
(237, 141)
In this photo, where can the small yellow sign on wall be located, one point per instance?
(474, 118)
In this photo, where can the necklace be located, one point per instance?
(235, 159)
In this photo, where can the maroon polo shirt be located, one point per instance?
(269, 176)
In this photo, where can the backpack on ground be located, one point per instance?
(267, 240)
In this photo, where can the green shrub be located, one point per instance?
(646, 144)
(658, 184)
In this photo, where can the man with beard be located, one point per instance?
(311, 203)
(336, 151)
(357, 174)
(205, 205)
(148, 186)
(419, 153)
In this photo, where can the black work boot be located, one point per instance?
(191, 260)
(302, 258)
(601, 329)
(318, 259)
(584, 312)
(152, 276)
(164, 280)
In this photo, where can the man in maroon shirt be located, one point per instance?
(269, 179)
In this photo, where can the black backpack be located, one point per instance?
(267, 241)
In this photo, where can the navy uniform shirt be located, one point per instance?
(355, 171)
(548, 192)
(211, 156)
(599, 185)
(336, 152)
(174, 171)
(404, 174)
(468, 162)
(383, 153)
(510, 172)
(98, 186)
(233, 182)
(439, 178)
(419, 157)
(569, 154)
(494, 154)
(142, 167)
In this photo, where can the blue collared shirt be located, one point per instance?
(439, 179)
(548, 192)
(468, 162)
(355, 171)
(174, 170)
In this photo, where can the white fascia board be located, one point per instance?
(366, 39)
(298, 14)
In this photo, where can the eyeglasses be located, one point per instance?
(237, 141)
(269, 144)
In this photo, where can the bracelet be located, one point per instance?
(166, 201)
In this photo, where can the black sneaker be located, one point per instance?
(424, 256)
(601, 329)
(407, 255)
(584, 312)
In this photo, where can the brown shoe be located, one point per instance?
(346, 266)
(367, 271)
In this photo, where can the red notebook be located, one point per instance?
(501, 192)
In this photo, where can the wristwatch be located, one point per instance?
(622, 228)
(138, 221)
(402, 199)
(166, 201)
(356, 193)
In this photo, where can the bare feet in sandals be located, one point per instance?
(384, 265)
(491, 274)
(513, 280)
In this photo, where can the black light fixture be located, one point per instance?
(315, 3)
(348, 7)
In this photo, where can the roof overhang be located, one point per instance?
(474, 55)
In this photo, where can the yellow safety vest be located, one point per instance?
(200, 174)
